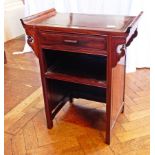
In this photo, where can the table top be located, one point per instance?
(98, 22)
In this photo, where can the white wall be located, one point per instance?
(13, 11)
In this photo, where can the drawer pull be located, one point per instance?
(71, 41)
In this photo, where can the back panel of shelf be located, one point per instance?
(76, 64)
(59, 90)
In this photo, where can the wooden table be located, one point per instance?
(82, 56)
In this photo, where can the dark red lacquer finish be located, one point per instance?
(81, 56)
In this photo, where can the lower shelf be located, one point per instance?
(75, 79)
(57, 90)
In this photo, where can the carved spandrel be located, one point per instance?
(31, 39)
(118, 49)
(119, 45)
(132, 38)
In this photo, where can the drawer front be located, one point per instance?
(74, 42)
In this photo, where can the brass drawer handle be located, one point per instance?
(71, 41)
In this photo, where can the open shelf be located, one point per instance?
(77, 68)
(60, 90)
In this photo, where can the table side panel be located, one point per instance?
(117, 90)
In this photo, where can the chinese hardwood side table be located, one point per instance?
(81, 56)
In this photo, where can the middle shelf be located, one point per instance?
(75, 67)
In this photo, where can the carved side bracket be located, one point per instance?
(119, 45)
(118, 49)
(132, 38)
(31, 39)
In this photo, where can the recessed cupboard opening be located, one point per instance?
(62, 90)
(76, 64)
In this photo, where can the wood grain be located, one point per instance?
(52, 32)
(78, 126)
(130, 135)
